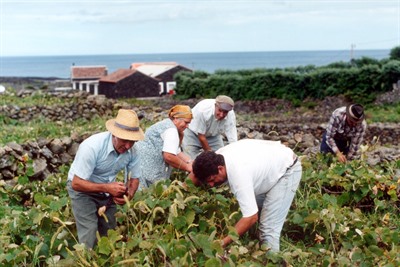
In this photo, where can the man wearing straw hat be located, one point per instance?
(92, 177)
(345, 132)
(212, 118)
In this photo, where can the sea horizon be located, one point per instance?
(58, 66)
(213, 52)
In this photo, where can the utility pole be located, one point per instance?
(352, 51)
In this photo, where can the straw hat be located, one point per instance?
(225, 102)
(125, 126)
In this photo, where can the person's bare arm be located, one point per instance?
(177, 162)
(204, 142)
(81, 185)
(242, 226)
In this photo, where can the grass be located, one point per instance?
(39, 98)
(388, 113)
(42, 128)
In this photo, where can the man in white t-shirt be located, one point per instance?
(263, 176)
(212, 118)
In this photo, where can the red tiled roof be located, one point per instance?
(117, 75)
(88, 72)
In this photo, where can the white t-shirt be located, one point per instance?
(204, 121)
(253, 167)
(171, 141)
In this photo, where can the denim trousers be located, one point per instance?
(88, 222)
(192, 146)
(275, 204)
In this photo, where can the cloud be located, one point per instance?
(197, 25)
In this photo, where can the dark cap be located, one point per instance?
(355, 112)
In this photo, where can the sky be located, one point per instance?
(95, 27)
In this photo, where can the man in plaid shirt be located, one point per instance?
(345, 132)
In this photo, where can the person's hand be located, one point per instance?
(341, 157)
(119, 200)
(116, 189)
(195, 181)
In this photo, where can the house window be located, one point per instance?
(161, 86)
(171, 88)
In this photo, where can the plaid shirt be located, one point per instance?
(340, 130)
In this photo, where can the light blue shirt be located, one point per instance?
(98, 162)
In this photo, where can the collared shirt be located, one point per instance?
(253, 167)
(98, 162)
(340, 130)
(204, 121)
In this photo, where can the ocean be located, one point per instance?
(59, 66)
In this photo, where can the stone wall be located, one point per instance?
(85, 106)
(39, 158)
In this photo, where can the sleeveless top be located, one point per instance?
(153, 166)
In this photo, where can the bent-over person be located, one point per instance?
(160, 151)
(262, 175)
(212, 118)
(345, 132)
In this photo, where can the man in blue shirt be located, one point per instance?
(92, 177)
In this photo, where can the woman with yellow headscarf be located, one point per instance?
(160, 151)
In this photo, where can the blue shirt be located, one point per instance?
(98, 162)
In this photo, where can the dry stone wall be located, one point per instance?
(41, 157)
(85, 106)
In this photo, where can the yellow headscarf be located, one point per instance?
(180, 111)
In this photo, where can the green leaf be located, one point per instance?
(30, 171)
(104, 246)
(313, 204)
(343, 199)
(190, 215)
(297, 219)
(37, 216)
(357, 255)
(376, 250)
(393, 194)
(179, 222)
(313, 217)
(56, 205)
(114, 236)
(220, 198)
(145, 245)
(23, 180)
(213, 262)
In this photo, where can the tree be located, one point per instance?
(395, 53)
